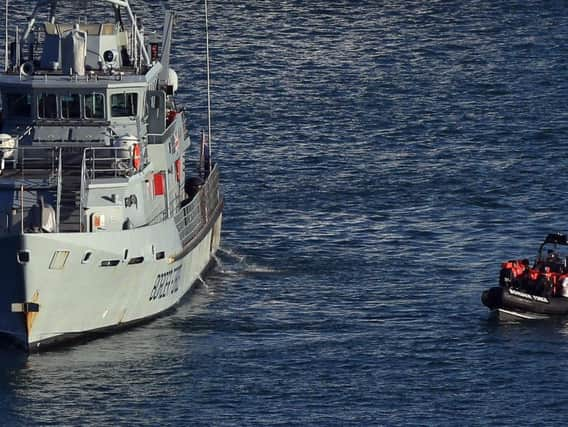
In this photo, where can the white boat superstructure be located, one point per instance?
(99, 225)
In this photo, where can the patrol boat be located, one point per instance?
(99, 226)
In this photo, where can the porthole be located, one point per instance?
(86, 257)
(23, 257)
(136, 260)
(110, 263)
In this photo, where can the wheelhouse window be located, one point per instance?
(95, 106)
(19, 104)
(71, 106)
(124, 104)
(47, 106)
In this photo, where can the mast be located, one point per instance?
(135, 29)
(6, 41)
(209, 135)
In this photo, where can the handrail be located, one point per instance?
(46, 160)
(158, 138)
(27, 132)
(44, 157)
(14, 219)
(22, 209)
(111, 161)
(83, 190)
(59, 179)
(191, 217)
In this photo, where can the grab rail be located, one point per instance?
(59, 181)
(191, 217)
(110, 161)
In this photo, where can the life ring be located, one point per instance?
(136, 157)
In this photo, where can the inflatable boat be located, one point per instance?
(533, 292)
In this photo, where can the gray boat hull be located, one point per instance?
(130, 276)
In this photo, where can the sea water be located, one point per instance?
(379, 161)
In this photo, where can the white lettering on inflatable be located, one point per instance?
(528, 296)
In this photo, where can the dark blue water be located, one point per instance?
(379, 160)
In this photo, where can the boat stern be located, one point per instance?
(492, 298)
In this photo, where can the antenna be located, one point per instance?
(6, 41)
(210, 137)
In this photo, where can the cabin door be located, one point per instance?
(156, 107)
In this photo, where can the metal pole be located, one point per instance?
(138, 35)
(209, 135)
(17, 65)
(6, 56)
(59, 179)
(22, 208)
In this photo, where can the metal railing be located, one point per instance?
(211, 192)
(109, 162)
(10, 221)
(26, 158)
(169, 133)
(191, 217)
(59, 188)
(25, 215)
(28, 171)
(106, 162)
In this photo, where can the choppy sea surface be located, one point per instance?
(379, 160)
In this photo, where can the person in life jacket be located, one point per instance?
(553, 261)
(514, 273)
(546, 283)
(523, 274)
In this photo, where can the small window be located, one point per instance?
(71, 106)
(160, 255)
(136, 260)
(86, 257)
(47, 106)
(19, 104)
(124, 104)
(95, 106)
(23, 257)
(110, 263)
(58, 260)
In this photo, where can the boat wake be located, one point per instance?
(232, 263)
